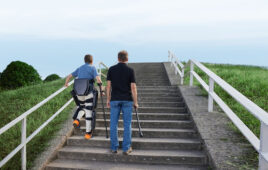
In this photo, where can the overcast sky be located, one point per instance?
(53, 35)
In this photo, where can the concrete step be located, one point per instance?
(145, 64)
(157, 77)
(152, 116)
(155, 104)
(162, 104)
(147, 132)
(160, 99)
(157, 88)
(150, 74)
(72, 164)
(158, 94)
(154, 99)
(154, 110)
(145, 91)
(175, 157)
(173, 124)
(139, 143)
(150, 71)
(169, 94)
(152, 84)
(151, 80)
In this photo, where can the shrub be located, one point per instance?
(18, 74)
(52, 77)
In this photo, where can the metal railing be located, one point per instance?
(100, 67)
(175, 62)
(22, 118)
(260, 145)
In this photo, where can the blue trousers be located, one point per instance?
(116, 107)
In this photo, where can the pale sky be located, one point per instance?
(44, 33)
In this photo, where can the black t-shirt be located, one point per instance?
(121, 77)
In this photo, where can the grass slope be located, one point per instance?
(252, 82)
(15, 102)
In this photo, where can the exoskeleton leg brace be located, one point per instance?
(85, 108)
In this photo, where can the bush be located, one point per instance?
(52, 77)
(18, 74)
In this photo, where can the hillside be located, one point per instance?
(15, 102)
(251, 81)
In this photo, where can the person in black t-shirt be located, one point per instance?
(121, 85)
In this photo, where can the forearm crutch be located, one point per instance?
(138, 121)
(104, 114)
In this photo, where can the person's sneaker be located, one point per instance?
(76, 124)
(88, 136)
(128, 151)
(114, 152)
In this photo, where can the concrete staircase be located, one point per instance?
(170, 140)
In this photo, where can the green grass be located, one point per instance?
(15, 102)
(251, 81)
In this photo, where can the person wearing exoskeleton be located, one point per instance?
(85, 95)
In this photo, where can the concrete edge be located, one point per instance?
(54, 145)
(225, 148)
(172, 77)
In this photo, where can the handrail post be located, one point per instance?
(171, 58)
(263, 164)
(210, 98)
(23, 141)
(191, 73)
(182, 76)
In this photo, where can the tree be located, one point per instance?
(52, 77)
(18, 74)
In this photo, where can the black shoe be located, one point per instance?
(114, 152)
(128, 151)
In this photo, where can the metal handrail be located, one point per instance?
(260, 145)
(175, 62)
(105, 66)
(23, 118)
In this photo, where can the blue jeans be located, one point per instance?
(116, 107)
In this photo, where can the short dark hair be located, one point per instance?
(88, 58)
(123, 56)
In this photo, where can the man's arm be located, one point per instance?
(108, 93)
(68, 79)
(134, 95)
